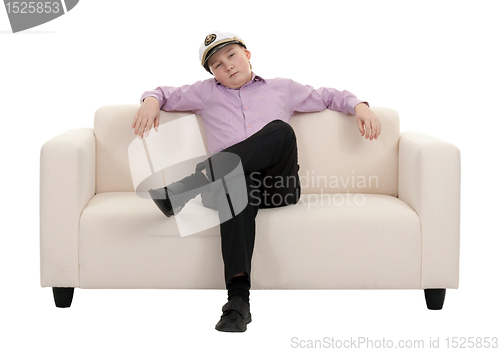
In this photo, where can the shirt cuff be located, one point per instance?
(150, 95)
(352, 104)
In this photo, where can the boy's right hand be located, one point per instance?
(148, 113)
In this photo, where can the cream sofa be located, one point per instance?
(381, 214)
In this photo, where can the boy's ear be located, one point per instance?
(248, 53)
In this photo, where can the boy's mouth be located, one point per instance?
(233, 74)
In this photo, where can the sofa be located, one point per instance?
(379, 214)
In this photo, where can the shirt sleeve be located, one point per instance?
(184, 98)
(305, 98)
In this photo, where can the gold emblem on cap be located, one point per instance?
(210, 39)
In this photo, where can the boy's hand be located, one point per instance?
(366, 119)
(148, 113)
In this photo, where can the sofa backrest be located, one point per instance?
(333, 156)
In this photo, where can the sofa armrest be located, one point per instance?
(429, 182)
(67, 183)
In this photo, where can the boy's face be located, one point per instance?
(230, 66)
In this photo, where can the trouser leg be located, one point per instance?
(238, 233)
(274, 146)
(269, 159)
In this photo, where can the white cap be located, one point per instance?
(215, 41)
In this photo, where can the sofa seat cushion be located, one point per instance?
(354, 241)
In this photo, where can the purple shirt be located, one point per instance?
(232, 115)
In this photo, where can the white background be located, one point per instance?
(435, 62)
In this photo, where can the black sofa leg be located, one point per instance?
(434, 297)
(63, 296)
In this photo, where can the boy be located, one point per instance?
(245, 116)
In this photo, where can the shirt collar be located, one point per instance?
(255, 78)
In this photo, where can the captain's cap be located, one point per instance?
(214, 42)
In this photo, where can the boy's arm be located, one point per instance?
(185, 98)
(305, 98)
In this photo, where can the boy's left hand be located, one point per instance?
(366, 119)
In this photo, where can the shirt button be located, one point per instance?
(246, 108)
(249, 125)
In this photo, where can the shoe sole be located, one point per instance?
(234, 328)
(163, 204)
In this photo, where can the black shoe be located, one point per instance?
(179, 193)
(160, 197)
(236, 315)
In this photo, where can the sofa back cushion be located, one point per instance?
(333, 156)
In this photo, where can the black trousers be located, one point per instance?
(270, 162)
